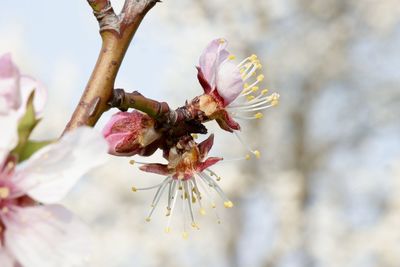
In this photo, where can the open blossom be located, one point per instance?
(229, 88)
(131, 133)
(34, 231)
(47, 235)
(186, 172)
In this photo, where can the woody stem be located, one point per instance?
(116, 32)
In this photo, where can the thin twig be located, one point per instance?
(117, 32)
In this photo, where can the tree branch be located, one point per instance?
(117, 32)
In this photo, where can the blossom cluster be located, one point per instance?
(231, 93)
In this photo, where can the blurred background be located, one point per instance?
(326, 191)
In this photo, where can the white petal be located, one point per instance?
(47, 236)
(6, 259)
(8, 133)
(52, 171)
(229, 82)
(29, 84)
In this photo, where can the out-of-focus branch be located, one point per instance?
(117, 32)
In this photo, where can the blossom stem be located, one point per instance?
(117, 32)
(182, 120)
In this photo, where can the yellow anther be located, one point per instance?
(274, 99)
(218, 178)
(167, 230)
(260, 77)
(221, 41)
(264, 92)
(275, 96)
(4, 192)
(132, 162)
(148, 219)
(255, 88)
(213, 205)
(247, 157)
(195, 136)
(253, 57)
(250, 97)
(259, 66)
(202, 211)
(228, 204)
(185, 235)
(194, 225)
(246, 85)
(258, 115)
(231, 57)
(257, 153)
(134, 189)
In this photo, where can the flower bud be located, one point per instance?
(131, 133)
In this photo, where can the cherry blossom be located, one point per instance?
(46, 235)
(188, 171)
(229, 87)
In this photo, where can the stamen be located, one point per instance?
(172, 207)
(214, 185)
(255, 152)
(133, 162)
(134, 189)
(209, 197)
(157, 197)
(189, 202)
(258, 115)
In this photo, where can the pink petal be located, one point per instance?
(109, 127)
(28, 85)
(9, 82)
(206, 146)
(226, 122)
(155, 168)
(203, 82)
(47, 236)
(213, 55)
(52, 171)
(207, 163)
(229, 82)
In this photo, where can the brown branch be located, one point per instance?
(117, 32)
(153, 108)
(179, 122)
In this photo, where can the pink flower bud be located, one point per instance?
(131, 133)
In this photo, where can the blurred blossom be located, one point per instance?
(46, 235)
